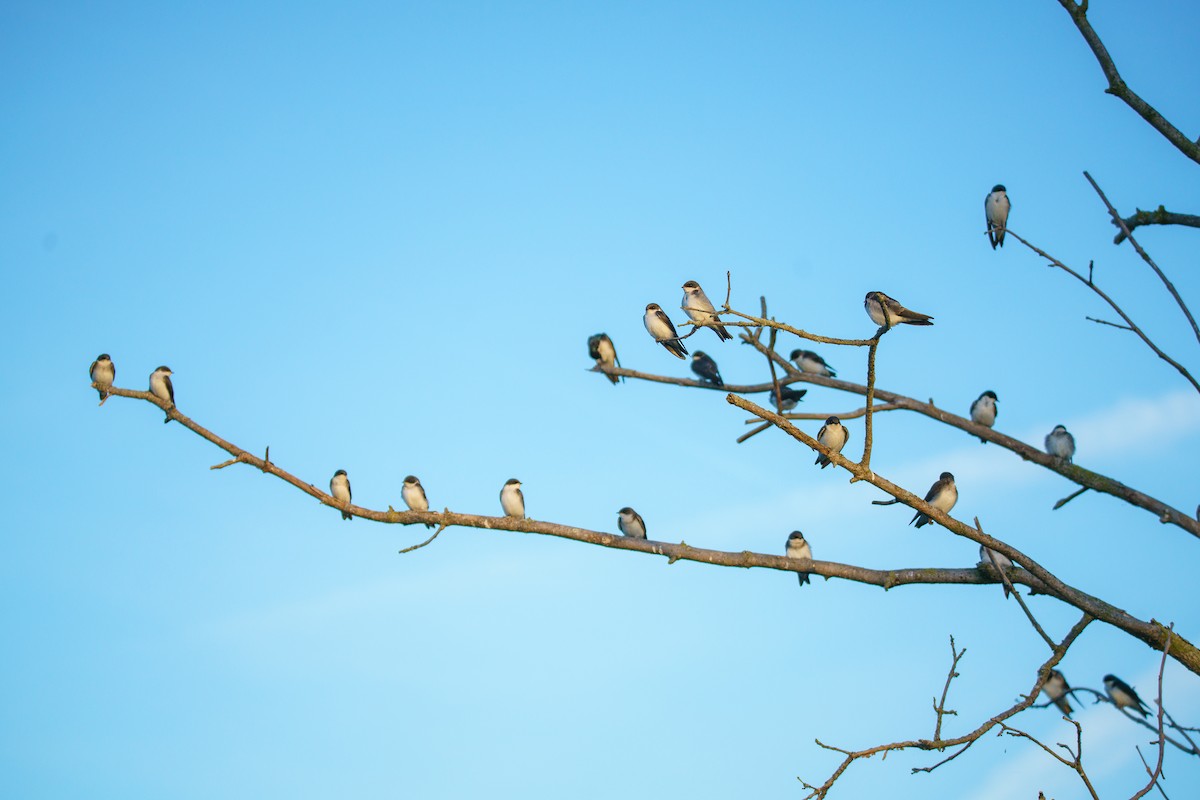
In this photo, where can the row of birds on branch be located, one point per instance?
(512, 499)
(1120, 693)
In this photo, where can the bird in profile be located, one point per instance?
(877, 303)
(339, 487)
(161, 387)
(797, 547)
(706, 369)
(600, 347)
(1060, 444)
(1123, 695)
(1056, 688)
(788, 397)
(810, 362)
(659, 326)
(834, 435)
(413, 495)
(512, 500)
(701, 311)
(996, 207)
(631, 524)
(942, 496)
(997, 559)
(983, 410)
(103, 373)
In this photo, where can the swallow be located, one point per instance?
(995, 208)
(160, 387)
(631, 524)
(834, 435)
(788, 397)
(797, 547)
(658, 324)
(877, 302)
(600, 347)
(808, 361)
(700, 310)
(1060, 444)
(512, 500)
(339, 487)
(103, 373)
(413, 495)
(942, 496)
(984, 411)
(1123, 695)
(706, 368)
(995, 559)
(1056, 688)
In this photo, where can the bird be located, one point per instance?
(512, 500)
(834, 435)
(942, 496)
(700, 310)
(706, 368)
(995, 208)
(808, 361)
(631, 524)
(788, 397)
(413, 495)
(1056, 688)
(658, 324)
(984, 411)
(1123, 695)
(1060, 444)
(103, 373)
(996, 559)
(877, 302)
(600, 347)
(797, 547)
(339, 487)
(161, 387)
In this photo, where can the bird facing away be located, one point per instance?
(659, 326)
(700, 310)
(160, 387)
(630, 523)
(339, 487)
(834, 435)
(706, 369)
(512, 500)
(998, 560)
(788, 397)
(810, 362)
(942, 496)
(1060, 444)
(103, 373)
(1123, 695)
(600, 347)
(983, 410)
(797, 547)
(877, 302)
(996, 207)
(413, 495)
(1056, 688)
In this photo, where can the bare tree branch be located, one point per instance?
(1159, 216)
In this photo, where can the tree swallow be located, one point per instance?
(658, 324)
(996, 207)
(631, 524)
(788, 397)
(160, 387)
(797, 547)
(103, 374)
(512, 500)
(700, 310)
(706, 368)
(808, 361)
(413, 495)
(339, 487)
(600, 347)
(999, 560)
(1060, 444)
(1123, 695)
(877, 302)
(942, 496)
(833, 435)
(1056, 689)
(983, 410)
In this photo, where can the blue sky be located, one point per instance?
(376, 237)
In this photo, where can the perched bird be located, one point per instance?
(600, 347)
(983, 410)
(996, 559)
(996, 207)
(413, 495)
(103, 373)
(160, 387)
(833, 434)
(706, 368)
(942, 496)
(512, 500)
(877, 302)
(658, 324)
(1060, 444)
(788, 397)
(1056, 689)
(339, 487)
(1123, 695)
(631, 523)
(797, 547)
(700, 310)
(808, 361)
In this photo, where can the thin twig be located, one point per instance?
(1068, 499)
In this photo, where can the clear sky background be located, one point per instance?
(376, 237)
